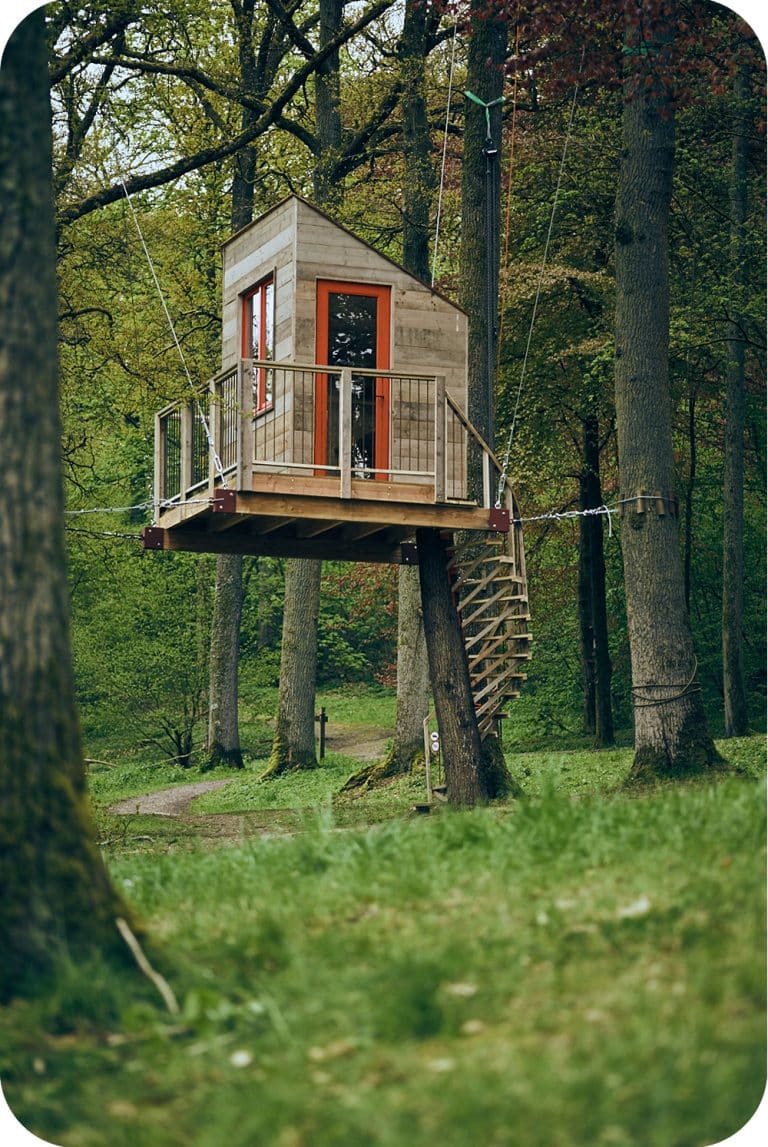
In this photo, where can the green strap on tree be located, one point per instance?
(481, 103)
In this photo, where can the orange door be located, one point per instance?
(353, 326)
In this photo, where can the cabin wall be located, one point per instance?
(428, 335)
(265, 247)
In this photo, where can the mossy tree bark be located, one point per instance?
(671, 735)
(223, 746)
(449, 672)
(734, 692)
(56, 894)
(293, 744)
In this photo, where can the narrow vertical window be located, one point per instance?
(259, 338)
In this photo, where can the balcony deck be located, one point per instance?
(233, 481)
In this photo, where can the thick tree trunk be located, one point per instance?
(734, 693)
(328, 108)
(688, 500)
(479, 237)
(412, 671)
(293, 745)
(418, 186)
(418, 171)
(223, 737)
(479, 290)
(449, 671)
(55, 890)
(593, 616)
(586, 632)
(223, 747)
(671, 736)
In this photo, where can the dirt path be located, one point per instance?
(166, 802)
(364, 743)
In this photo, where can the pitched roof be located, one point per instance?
(340, 226)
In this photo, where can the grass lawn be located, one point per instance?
(582, 968)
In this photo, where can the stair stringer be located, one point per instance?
(491, 594)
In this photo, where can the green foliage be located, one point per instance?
(357, 632)
(140, 648)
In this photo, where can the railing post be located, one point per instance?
(440, 455)
(486, 481)
(245, 447)
(345, 432)
(214, 429)
(159, 484)
(185, 449)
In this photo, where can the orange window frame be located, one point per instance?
(257, 296)
(383, 296)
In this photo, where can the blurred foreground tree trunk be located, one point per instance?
(56, 894)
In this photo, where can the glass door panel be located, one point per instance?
(353, 331)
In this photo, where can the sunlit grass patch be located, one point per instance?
(571, 972)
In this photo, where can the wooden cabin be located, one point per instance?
(337, 423)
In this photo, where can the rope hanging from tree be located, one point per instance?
(200, 413)
(445, 150)
(566, 142)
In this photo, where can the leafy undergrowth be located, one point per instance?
(573, 972)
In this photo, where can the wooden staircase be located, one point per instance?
(491, 594)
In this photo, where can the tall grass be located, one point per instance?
(561, 973)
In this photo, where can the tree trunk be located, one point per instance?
(449, 672)
(586, 631)
(223, 746)
(418, 172)
(734, 694)
(293, 745)
(479, 289)
(56, 894)
(223, 739)
(418, 185)
(328, 108)
(690, 486)
(412, 671)
(596, 657)
(671, 736)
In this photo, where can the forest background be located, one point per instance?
(123, 87)
(136, 97)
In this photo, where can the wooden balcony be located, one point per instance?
(337, 464)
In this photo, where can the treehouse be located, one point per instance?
(337, 427)
(337, 423)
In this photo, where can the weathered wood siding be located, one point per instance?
(428, 334)
(265, 247)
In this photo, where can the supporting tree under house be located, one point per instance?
(337, 429)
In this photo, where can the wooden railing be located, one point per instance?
(312, 423)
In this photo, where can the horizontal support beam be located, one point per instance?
(260, 545)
